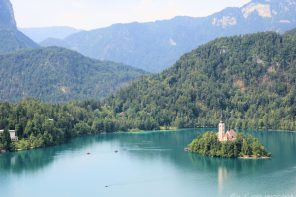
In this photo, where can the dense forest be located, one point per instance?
(38, 124)
(59, 75)
(250, 78)
(208, 144)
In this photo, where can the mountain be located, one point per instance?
(292, 32)
(6, 15)
(58, 75)
(39, 34)
(156, 45)
(251, 79)
(10, 38)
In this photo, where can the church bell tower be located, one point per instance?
(221, 131)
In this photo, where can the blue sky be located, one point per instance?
(90, 14)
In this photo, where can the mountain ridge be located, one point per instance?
(154, 46)
(40, 34)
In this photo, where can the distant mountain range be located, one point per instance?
(59, 75)
(10, 38)
(39, 34)
(157, 45)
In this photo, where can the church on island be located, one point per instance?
(225, 136)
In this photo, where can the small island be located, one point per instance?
(228, 144)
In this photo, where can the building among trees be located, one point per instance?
(12, 134)
(223, 136)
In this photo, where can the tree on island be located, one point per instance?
(244, 146)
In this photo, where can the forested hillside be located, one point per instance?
(250, 78)
(59, 75)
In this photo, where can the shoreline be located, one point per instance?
(161, 130)
(171, 128)
(253, 157)
(241, 157)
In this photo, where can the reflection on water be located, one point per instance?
(222, 176)
(33, 160)
(151, 159)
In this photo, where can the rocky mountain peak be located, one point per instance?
(6, 15)
(282, 10)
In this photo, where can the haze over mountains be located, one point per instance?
(10, 38)
(39, 34)
(157, 45)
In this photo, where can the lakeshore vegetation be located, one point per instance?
(245, 146)
(251, 78)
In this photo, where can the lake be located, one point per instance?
(150, 164)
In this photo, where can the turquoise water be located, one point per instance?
(148, 164)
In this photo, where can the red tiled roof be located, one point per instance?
(231, 134)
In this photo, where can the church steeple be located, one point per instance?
(221, 127)
(224, 136)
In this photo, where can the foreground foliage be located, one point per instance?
(209, 145)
